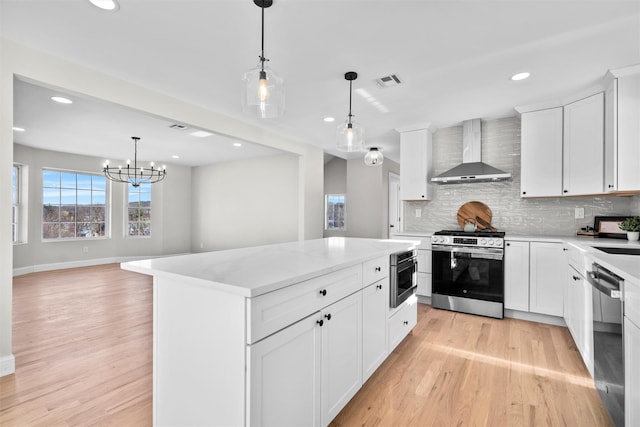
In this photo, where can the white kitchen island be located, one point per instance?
(281, 334)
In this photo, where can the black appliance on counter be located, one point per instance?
(468, 272)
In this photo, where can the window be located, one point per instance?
(139, 215)
(334, 212)
(15, 202)
(74, 205)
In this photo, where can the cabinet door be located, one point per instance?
(415, 165)
(424, 284)
(341, 354)
(516, 276)
(546, 278)
(284, 377)
(631, 373)
(611, 137)
(402, 322)
(583, 156)
(578, 314)
(375, 304)
(628, 132)
(541, 153)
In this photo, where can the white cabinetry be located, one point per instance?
(546, 278)
(424, 268)
(541, 153)
(415, 165)
(578, 314)
(583, 159)
(375, 305)
(631, 373)
(402, 321)
(622, 131)
(516, 275)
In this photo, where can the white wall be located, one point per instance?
(245, 203)
(171, 233)
(42, 68)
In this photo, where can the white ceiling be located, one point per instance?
(454, 58)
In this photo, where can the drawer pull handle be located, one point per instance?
(323, 292)
(379, 286)
(328, 316)
(320, 322)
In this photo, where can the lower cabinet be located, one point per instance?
(375, 304)
(424, 273)
(631, 373)
(516, 275)
(547, 274)
(578, 314)
(402, 321)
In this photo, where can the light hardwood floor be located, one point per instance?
(83, 346)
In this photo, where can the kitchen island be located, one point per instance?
(281, 334)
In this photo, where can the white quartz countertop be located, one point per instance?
(257, 270)
(626, 266)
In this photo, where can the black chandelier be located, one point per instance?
(134, 175)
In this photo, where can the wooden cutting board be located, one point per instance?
(471, 210)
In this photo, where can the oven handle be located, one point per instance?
(484, 253)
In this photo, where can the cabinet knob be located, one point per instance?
(378, 269)
(564, 249)
(323, 292)
(575, 278)
(565, 191)
(328, 316)
(406, 322)
(379, 286)
(508, 244)
(422, 196)
(524, 192)
(610, 186)
(320, 322)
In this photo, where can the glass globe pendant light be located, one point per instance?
(263, 89)
(350, 134)
(373, 157)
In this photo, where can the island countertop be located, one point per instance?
(257, 270)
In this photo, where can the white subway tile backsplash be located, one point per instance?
(511, 213)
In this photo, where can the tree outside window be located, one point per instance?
(335, 212)
(139, 211)
(74, 205)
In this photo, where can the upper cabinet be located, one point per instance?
(622, 130)
(541, 153)
(583, 148)
(415, 165)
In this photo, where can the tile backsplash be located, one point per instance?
(511, 213)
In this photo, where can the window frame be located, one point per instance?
(127, 207)
(106, 206)
(326, 212)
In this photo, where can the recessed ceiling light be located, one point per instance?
(175, 156)
(62, 100)
(200, 134)
(18, 129)
(520, 76)
(237, 144)
(329, 119)
(106, 4)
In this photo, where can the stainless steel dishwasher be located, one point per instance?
(608, 342)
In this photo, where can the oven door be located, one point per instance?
(404, 280)
(476, 273)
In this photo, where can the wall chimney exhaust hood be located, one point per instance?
(472, 169)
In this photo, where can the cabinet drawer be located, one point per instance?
(275, 310)
(424, 261)
(374, 270)
(402, 322)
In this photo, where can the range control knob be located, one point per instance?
(499, 243)
(490, 242)
(483, 242)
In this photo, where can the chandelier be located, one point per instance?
(134, 175)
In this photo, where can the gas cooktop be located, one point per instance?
(482, 233)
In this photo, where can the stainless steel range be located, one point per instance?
(468, 272)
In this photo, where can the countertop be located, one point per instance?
(257, 270)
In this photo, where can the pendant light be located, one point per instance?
(350, 134)
(263, 92)
(373, 157)
(134, 175)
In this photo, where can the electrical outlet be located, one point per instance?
(418, 213)
(85, 249)
(579, 213)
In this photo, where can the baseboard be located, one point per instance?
(7, 365)
(535, 317)
(74, 264)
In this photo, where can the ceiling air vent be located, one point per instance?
(389, 81)
(178, 126)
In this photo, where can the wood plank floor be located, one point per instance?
(83, 347)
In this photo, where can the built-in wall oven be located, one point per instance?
(608, 342)
(468, 272)
(403, 276)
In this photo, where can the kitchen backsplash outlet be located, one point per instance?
(511, 213)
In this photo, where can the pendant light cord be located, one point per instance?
(262, 59)
(350, 93)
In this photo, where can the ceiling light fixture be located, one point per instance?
(105, 4)
(133, 175)
(350, 134)
(520, 76)
(263, 92)
(18, 129)
(329, 119)
(201, 134)
(237, 144)
(61, 100)
(373, 157)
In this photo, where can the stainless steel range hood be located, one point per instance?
(472, 169)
